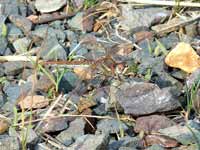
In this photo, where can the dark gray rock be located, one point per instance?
(111, 126)
(68, 82)
(127, 141)
(13, 33)
(21, 22)
(91, 142)
(14, 91)
(22, 45)
(53, 125)
(9, 143)
(143, 18)
(75, 130)
(13, 68)
(53, 50)
(169, 41)
(139, 98)
(100, 110)
(41, 5)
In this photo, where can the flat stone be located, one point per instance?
(75, 130)
(9, 143)
(91, 142)
(22, 45)
(139, 98)
(152, 123)
(142, 18)
(53, 50)
(53, 5)
(111, 126)
(21, 22)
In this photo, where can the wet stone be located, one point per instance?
(91, 142)
(139, 98)
(111, 126)
(21, 22)
(75, 130)
(53, 5)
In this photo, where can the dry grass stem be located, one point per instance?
(163, 3)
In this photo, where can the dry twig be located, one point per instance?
(163, 3)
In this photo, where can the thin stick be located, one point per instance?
(163, 3)
(71, 115)
(18, 58)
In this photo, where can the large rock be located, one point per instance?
(46, 6)
(139, 98)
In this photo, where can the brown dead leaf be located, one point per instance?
(183, 57)
(83, 73)
(36, 101)
(4, 125)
